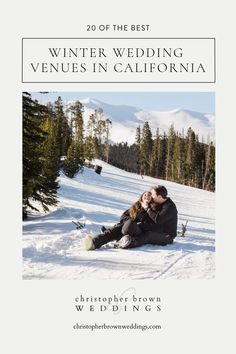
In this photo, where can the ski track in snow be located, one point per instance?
(52, 247)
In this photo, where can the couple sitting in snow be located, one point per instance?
(151, 220)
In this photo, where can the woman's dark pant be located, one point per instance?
(112, 234)
(116, 232)
(131, 228)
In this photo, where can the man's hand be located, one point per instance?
(153, 206)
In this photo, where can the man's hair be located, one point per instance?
(160, 190)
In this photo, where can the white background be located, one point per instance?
(37, 316)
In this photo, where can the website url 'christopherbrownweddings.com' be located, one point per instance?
(104, 326)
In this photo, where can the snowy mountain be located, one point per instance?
(52, 247)
(125, 120)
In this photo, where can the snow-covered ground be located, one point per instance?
(52, 247)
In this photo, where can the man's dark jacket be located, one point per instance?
(164, 217)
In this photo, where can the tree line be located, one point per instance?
(56, 139)
(170, 156)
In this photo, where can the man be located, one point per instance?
(163, 212)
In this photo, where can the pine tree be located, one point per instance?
(108, 124)
(190, 156)
(71, 165)
(178, 159)
(138, 136)
(91, 126)
(33, 136)
(36, 170)
(138, 148)
(146, 147)
(199, 163)
(209, 173)
(62, 130)
(75, 157)
(100, 125)
(50, 163)
(161, 165)
(98, 132)
(89, 148)
(90, 141)
(155, 155)
(170, 153)
(97, 127)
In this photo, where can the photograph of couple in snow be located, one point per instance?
(129, 176)
(151, 220)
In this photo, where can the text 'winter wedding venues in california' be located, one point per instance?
(118, 60)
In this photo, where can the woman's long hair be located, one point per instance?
(136, 208)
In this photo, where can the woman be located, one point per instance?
(132, 222)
